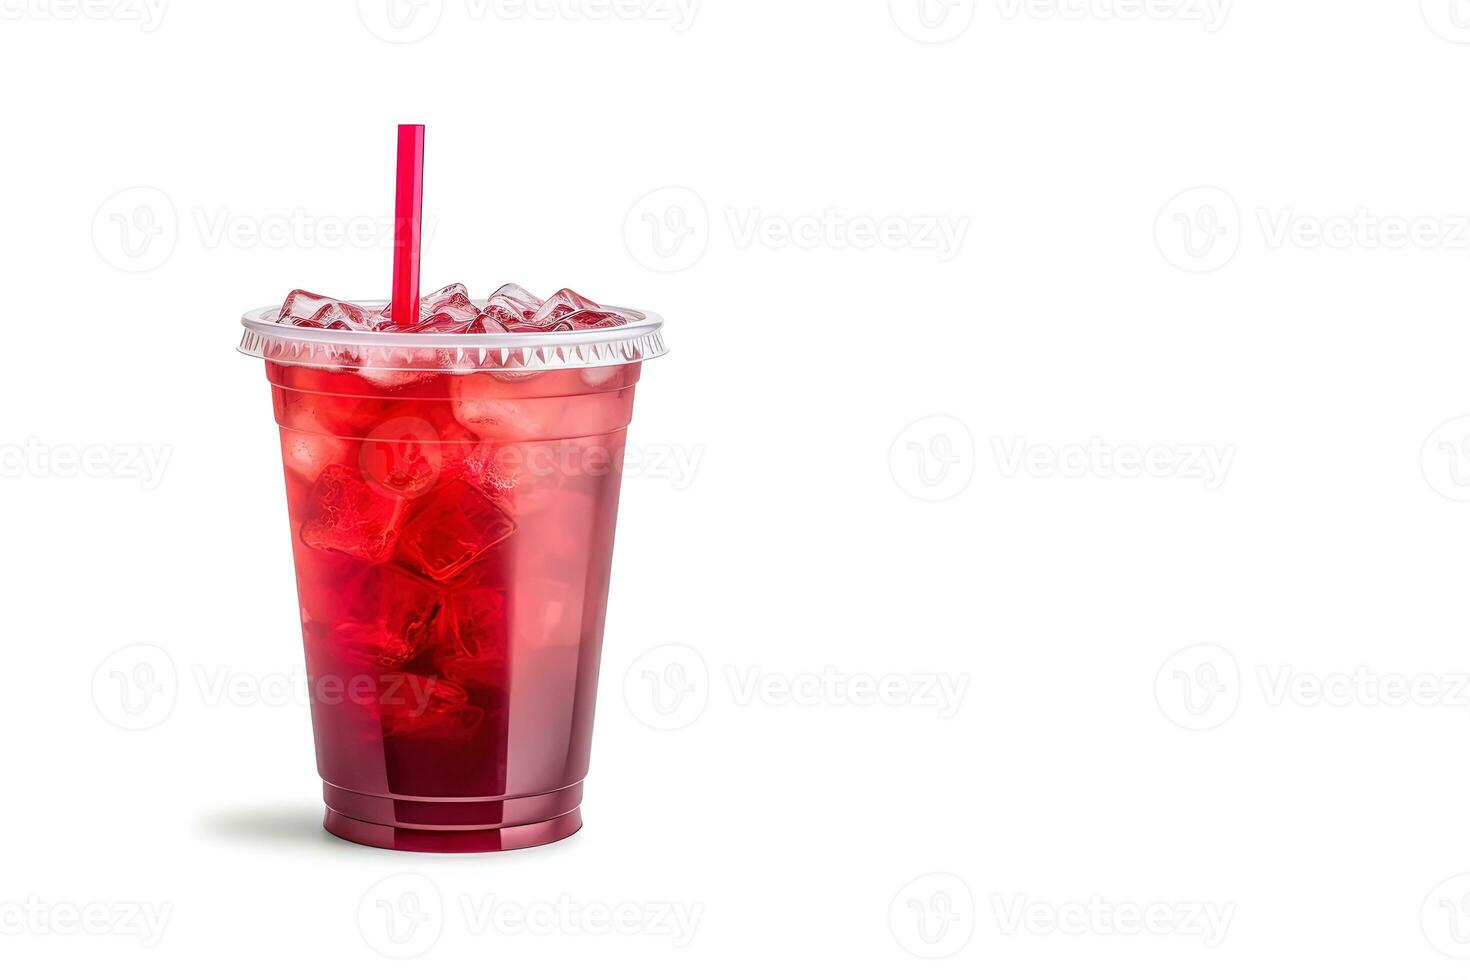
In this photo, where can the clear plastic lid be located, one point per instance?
(640, 339)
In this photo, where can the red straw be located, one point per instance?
(408, 225)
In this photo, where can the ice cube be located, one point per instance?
(307, 454)
(344, 513)
(303, 309)
(300, 409)
(402, 454)
(477, 657)
(477, 618)
(533, 327)
(567, 310)
(452, 304)
(448, 310)
(538, 473)
(599, 376)
(521, 479)
(390, 619)
(479, 406)
(519, 311)
(418, 706)
(512, 306)
(393, 378)
(459, 525)
(456, 444)
(484, 471)
(485, 323)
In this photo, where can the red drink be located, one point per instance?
(453, 531)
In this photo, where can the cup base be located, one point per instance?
(455, 826)
(453, 841)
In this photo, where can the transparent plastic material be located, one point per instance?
(452, 528)
(639, 340)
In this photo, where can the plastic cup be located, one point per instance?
(453, 500)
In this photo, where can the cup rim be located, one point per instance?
(259, 322)
(518, 354)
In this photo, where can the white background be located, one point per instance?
(1293, 321)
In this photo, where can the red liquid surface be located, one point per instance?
(453, 538)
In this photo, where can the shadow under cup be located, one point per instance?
(452, 516)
